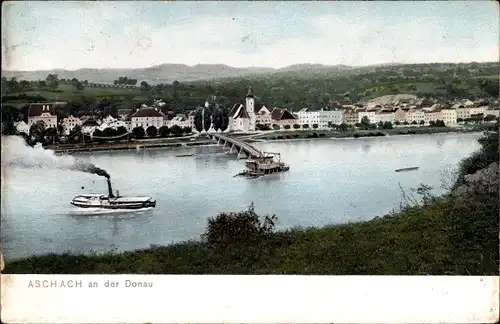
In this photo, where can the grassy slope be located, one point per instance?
(448, 236)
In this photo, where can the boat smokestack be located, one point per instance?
(110, 189)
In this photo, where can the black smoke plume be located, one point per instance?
(91, 168)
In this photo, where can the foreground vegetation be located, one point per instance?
(448, 235)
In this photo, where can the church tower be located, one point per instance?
(250, 107)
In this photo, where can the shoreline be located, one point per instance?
(270, 136)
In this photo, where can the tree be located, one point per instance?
(138, 132)
(122, 130)
(406, 123)
(296, 126)
(397, 122)
(187, 130)
(52, 81)
(198, 123)
(305, 126)
(287, 126)
(145, 86)
(37, 130)
(432, 123)
(315, 126)
(276, 127)
(176, 130)
(387, 125)
(380, 124)
(343, 127)
(108, 132)
(151, 131)
(422, 122)
(164, 131)
(414, 122)
(365, 122)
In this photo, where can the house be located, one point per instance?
(400, 114)
(449, 116)
(478, 110)
(414, 115)
(282, 117)
(263, 116)
(384, 115)
(333, 116)
(44, 112)
(145, 117)
(308, 116)
(351, 116)
(109, 119)
(433, 115)
(181, 121)
(69, 123)
(89, 125)
(463, 112)
(369, 113)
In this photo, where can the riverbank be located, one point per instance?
(311, 134)
(261, 136)
(447, 236)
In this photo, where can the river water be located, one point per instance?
(330, 181)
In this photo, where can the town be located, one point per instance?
(248, 116)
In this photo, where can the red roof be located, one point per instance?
(36, 109)
(147, 112)
(281, 114)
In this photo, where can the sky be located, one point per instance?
(134, 34)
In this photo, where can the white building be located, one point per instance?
(308, 116)
(109, 119)
(263, 116)
(463, 112)
(368, 113)
(89, 125)
(449, 116)
(478, 110)
(44, 112)
(145, 117)
(69, 123)
(180, 121)
(384, 116)
(243, 117)
(415, 115)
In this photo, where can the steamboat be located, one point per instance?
(112, 201)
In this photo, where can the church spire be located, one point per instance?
(250, 92)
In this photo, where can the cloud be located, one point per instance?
(108, 35)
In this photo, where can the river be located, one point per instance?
(330, 181)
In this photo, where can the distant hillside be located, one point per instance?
(164, 73)
(168, 73)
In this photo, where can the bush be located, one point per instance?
(287, 126)
(305, 126)
(138, 132)
(315, 126)
(164, 131)
(296, 126)
(152, 131)
(242, 227)
(276, 127)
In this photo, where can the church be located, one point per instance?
(243, 117)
